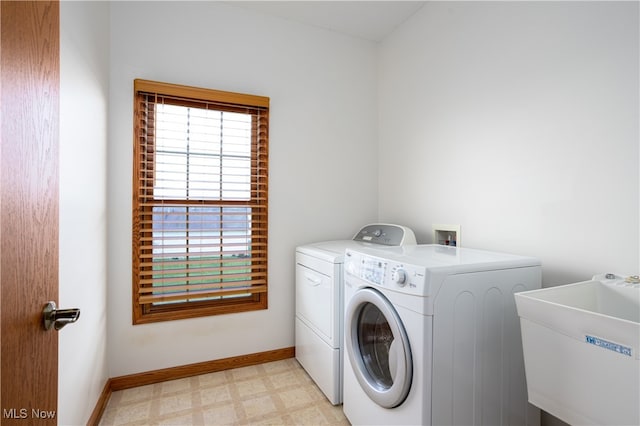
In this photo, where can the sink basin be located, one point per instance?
(581, 345)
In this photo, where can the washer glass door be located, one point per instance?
(378, 348)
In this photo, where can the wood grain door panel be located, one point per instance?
(29, 122)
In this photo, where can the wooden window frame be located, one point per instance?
(144, 202)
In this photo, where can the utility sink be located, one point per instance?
(581, 345)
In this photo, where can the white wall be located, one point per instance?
(519, 122)
(323, 161)
(84, 81)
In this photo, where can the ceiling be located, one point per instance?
(370, 20)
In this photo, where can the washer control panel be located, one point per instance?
(399, 276)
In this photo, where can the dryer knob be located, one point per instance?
(399, 277)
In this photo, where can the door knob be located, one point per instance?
(58, 318)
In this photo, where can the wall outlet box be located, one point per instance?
(446, 235)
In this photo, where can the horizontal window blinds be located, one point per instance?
(200, 198)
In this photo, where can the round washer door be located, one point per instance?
(378, 348)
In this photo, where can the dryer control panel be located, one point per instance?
(386, 234)
(399, 276)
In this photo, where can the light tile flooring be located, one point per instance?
(275, 393)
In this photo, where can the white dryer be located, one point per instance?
(432, 337)
(319, 301)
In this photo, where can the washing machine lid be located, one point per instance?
(437, 258)
(422, 269)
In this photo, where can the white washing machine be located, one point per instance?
(319, 301)
(432, 337)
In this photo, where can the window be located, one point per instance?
(199, 202)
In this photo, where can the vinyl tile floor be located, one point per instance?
(275, 393)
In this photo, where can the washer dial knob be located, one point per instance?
(400, 277)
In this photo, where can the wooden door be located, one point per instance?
(29, 108)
